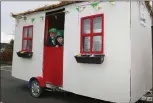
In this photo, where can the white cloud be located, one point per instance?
(5, 38)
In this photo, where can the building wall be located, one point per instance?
(109, 81)
(26, 68)
(141, 53)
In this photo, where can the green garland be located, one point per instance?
(32, 20)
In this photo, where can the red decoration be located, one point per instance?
(53, 65)
(84, 7)
(99, 7)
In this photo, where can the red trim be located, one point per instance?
(27, 38)
(46, 30)
(41, 81)
(81, 39)
(22, 37)
(91, 34)
(103, 34)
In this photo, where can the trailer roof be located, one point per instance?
(46, 7)
(64, 3)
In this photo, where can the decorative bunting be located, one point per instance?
(78, 9)
(142, 14)
(94, 4)
(25, 18)
(99, 8)
(66, 11)
(112, 2)
(42, 17)
(32, 20)
(84, 7)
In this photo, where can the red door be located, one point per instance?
(53, 65)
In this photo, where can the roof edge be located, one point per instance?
(43, 8)
(64, 3)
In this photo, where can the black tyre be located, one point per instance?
(35, 89)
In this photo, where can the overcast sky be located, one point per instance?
(7, 22)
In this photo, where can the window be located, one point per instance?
(92, 34)
(27, 38)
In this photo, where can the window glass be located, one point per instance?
(25, 32)
(86, 26)
(97, 43)
(29, 46)
(97, 24)
(24, 44)
(30, 32)
(27, 38)
(86, 45)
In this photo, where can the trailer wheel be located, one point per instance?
(35, 89)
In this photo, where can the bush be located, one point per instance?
(7, 55)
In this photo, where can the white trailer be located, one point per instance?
(107, 52)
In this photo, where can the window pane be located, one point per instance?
(86, 26)
(25, 32)
(86, 44)
(30, 32)
(29, 46)
(97, 43)
(24, 44)
(97, 24)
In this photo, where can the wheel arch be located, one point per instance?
(39, 79)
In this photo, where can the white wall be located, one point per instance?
(26, 68)
(109, 81)
(141, 63)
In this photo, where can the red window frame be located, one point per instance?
(27, 38)
(91, 34)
